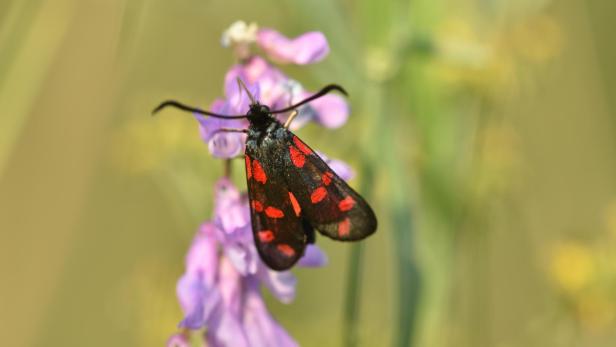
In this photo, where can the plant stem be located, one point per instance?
(227, 168)
(367, 174)
(352, 299)
(409, 280)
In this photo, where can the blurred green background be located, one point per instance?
(482, 132)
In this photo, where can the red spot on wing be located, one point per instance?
(302, 147)
(257, 172)
(286, 250)
(346, 204)
(327, 178)
(296, 208)
(273, 212)
(318, 195)
(248, 168)
(266, 236)
(297, 157)
(344, 228)
(257, 205)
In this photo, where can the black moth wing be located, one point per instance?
(327, 202)
(279, 234)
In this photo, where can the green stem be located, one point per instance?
(353, 293)
(409, 280)
(227, 168)
(352, 299)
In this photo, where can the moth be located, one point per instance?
(292, 192)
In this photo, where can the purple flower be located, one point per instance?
(313, 257)
(178, 340)
(220, 289)
(308, 48)
(222, 144)
(197, 291)
(341, 168)
(270, 85)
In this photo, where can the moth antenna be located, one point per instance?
(328, 88)
(241, 83)
(176, 104)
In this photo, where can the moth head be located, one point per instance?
(259, 114)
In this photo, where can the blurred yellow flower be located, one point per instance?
(586, 276)
(572, 266)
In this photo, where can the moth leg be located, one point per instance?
(290, 119)
(293, 114)
(309, 230)
(230, 130)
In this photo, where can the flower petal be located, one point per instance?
(209, 125)
(233, 217)
(241, 251)
(308, 48)
(202, 256)
(196, 288)
(227, 145)
(225, 326)
(255, 72)
(280, 283)
(178, 340)
(260, 328)
(236, 96)
(197, 301)
(332, 111)
(231, 210)
(239, 32)
(313, 257)
(230, 286)
(226, 330)
(341, 168)
(222, 144)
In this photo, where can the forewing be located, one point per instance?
(279, 233)
(330, 205)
